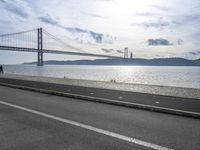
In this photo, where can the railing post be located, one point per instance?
(40, 48)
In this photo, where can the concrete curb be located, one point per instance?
(108, 101)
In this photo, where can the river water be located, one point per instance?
(153, 75)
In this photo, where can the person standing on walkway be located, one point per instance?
(1, 69)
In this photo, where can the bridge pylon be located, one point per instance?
(40, 47)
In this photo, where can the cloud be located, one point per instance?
(90, 36)
(93, 15)
(190, 19)
(78, 34)
(146, 14)
(158, 23)
(162, 8)
(179, 41)
(158, 42)
(75, 30)
(197, 52)
(112, 50)
(49, 20)
(97, 36)
(197, 35)
(107, 50)
(17, 7)
(119, 51)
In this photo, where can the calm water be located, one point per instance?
(170, 76)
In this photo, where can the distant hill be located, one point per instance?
(128, 62)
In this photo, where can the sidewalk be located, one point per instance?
(126, 97)
(139, 88)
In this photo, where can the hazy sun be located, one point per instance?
(121, 12)
(131, 6)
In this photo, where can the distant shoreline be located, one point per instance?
(127, 62)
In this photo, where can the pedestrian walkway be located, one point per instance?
(140, 88)
(155, 100)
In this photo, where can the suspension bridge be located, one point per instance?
(40, 41)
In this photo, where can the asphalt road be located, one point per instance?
(30, 120)
(177, 103)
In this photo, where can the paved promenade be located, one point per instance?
(140, 88)
(173, 102)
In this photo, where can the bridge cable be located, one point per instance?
(62, 42)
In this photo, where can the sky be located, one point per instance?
(149, 28)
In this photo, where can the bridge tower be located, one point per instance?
(126, 52)
(40, 47)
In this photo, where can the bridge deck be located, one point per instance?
(24, 49)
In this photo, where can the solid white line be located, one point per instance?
(88, 127)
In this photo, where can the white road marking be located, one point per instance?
(120, 97)
(88, 127)
(157, 102)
